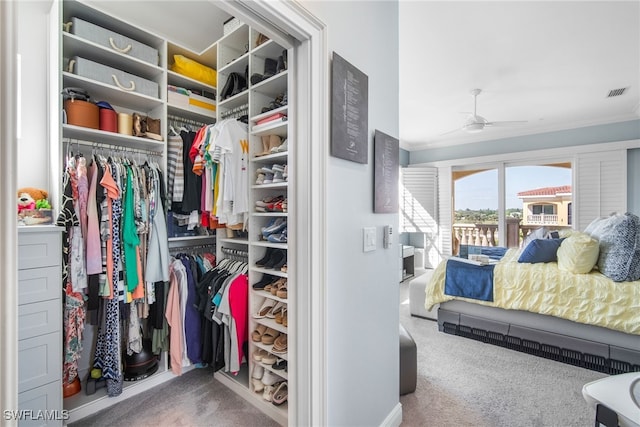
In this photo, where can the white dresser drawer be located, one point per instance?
(39, 249)
(39, 361)
(39, 284)
(42, 402)
(39, 318)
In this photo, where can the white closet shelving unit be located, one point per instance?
(87, 139)
(235, 52)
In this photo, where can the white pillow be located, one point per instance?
(578, 253)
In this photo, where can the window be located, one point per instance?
(594, 184)
(543, 209)
(533, 196)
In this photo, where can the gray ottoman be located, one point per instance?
(408, 362)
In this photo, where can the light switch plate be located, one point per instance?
(369, 239)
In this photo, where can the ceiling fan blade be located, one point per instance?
(506, 123)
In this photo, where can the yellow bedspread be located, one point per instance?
(542, 288)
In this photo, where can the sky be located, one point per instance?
(480, 191)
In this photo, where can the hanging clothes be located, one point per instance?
(73, 314)
(110, 208)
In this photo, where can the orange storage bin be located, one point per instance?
(82, 113)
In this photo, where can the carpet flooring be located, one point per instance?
(461, 382)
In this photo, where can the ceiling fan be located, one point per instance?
(476, 123)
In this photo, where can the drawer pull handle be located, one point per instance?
(131, 88)
(113, 45)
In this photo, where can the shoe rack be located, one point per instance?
(264, 378)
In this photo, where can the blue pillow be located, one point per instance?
(541, 250)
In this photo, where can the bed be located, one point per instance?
(584, 319)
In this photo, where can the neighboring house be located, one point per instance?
(547, 206)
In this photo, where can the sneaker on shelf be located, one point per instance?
(278, 238)
(277, 177)
(268, 178)
(269, 199)
(274, 207)
(281, 148)
(260, 179)
(276, 227)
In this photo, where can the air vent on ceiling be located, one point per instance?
(616, 92)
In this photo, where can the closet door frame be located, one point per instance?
(8, 226)
(289, 23)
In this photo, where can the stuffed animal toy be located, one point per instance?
(30, 198)
(33, 207)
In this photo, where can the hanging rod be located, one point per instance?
(188, 247)
(174, 118)
(188, 244)
(235, 252)
(111, 147)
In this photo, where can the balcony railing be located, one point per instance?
(542, 219)
(476, 234)
(487, 234)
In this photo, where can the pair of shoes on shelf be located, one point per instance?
(272, 288)
(279, 365)
(271, 68)
(275, 226)
(278, 289)
(276, 259)
(262, 379)
(268, 309)
(276, 310)
(280, 344)
(279, 237)
(279, 101)
(268, 202)
(264, 334)
(263, 356)
(266, 280)
(269, 142)
(271, 175)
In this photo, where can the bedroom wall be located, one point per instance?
(623, 131)
(362, 288)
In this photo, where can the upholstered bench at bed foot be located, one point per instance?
(408, 362)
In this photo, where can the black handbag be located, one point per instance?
(235, 84)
